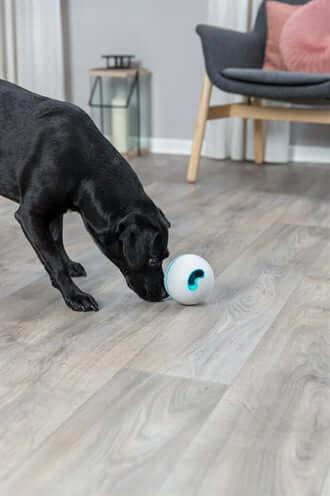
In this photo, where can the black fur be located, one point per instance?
(54, 159)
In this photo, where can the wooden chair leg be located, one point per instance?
(258, 137)
(204, 103)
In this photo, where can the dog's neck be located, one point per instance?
(102, 206)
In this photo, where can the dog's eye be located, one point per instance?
(153, 261)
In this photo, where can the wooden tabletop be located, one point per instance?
(120, 73)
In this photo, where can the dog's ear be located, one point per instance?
(134, 241)
(164, 219)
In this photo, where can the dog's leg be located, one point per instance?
(37, 230)
(75, 269)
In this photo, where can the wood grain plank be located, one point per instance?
(270, 434)
(48, 371)
(307, 211)
(123, 441)
(52, 360)
(248, 296)
(326, 486)
(321, 265)
(61, 351)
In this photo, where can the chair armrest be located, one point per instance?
(225, 48)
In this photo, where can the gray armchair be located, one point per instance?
(234, 63)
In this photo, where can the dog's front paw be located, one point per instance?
(76, 270)
(81, 302)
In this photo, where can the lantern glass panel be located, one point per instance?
(120, 107)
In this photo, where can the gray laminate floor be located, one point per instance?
(231, 399)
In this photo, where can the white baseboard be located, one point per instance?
(316, 154)
(298, 153)
(171, 146)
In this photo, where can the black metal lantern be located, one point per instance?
(120, 104)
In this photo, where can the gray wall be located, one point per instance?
(310, 135)
(161, 34)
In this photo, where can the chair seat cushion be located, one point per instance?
(275, 78)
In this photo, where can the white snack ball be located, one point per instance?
(189, 279)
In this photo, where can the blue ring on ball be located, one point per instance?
(168, 271)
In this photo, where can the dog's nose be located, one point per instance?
(155, 294)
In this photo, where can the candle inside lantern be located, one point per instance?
(120, 124)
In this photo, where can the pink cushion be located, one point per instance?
(278, 14)
(305, 39)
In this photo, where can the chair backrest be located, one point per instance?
(261, 22)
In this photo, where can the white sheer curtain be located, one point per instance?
(233, 138)
(31, 45)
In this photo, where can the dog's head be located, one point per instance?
(137, 244)
(143, 242)
(141, 247)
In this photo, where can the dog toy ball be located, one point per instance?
(189, 279)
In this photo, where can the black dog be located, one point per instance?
(54, 159)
